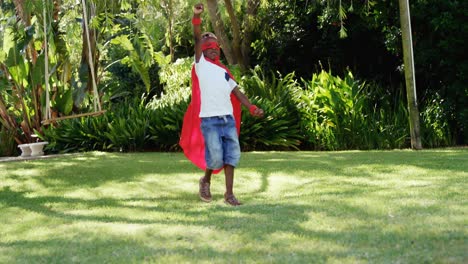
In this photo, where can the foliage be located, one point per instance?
(7, 143)
(275, 131)
(128, 129)
(441, 63)
(77, 135)
(435, 121)
(143, 51)
(278, 129)
(303, 36)
(137, 61)
(124, 128)
(18, 105)
(300, 36)
(32, 31)
(328, 113)
(338, 114)
(165, 122)
(169, 108)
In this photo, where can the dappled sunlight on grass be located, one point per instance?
(299, 207)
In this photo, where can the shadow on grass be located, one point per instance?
(373, 237)
(370, 236)
(94, 169)
(87, 248)
(337, 162)
(360, 164)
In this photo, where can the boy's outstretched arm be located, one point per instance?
(196, 22)
(253, 109)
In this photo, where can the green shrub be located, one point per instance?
(125, 127)
(435, 128)
(166, 119)
(279, 129)
(167, 110)
(344, 113)
(7, 143)
(128, 127)
(77, 134)
(328, 113)
(275, 131)
(331, 111)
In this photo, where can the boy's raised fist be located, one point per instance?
(198, 9)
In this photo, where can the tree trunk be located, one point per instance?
(218, 26)
(170, 28)
(84, 53)
(408, 60)
(249, 22)
(167, 6)
(236, 35)
(57, 6)
(24, 16)
(21, 12)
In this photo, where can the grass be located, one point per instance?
(299, 207)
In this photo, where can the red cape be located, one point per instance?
(191, 138)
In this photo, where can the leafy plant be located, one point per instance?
(79, 134)
(275, 131)
(165, 124)
(7, 143)
(279, 128)
(340, 114)
(128, 129)
(167, 110)
(434, 122)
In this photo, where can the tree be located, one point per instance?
(236, 35)
(18, 59)
(248, 28)
(410, 74)
(218, 26)
(168, 10)
(237, 50)
(31, 41)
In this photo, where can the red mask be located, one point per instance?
(210, 45)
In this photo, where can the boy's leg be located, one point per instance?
(213, 154)
(229, 177)
(231, 158)
(229, 197)
(204, 184)
(207, 177)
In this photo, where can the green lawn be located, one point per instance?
(299, 207)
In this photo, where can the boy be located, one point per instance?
(215, 106)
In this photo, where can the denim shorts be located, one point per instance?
(221, 141)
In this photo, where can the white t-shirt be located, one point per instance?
(215, 89)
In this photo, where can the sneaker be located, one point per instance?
(205, 194)
(231, 200)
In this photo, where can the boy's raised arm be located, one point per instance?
(196, 22)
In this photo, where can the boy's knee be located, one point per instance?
(217, 163)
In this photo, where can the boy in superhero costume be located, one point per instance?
(210, 132)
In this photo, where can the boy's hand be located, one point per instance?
(198, 9)
(255, 111)
(258, 112)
